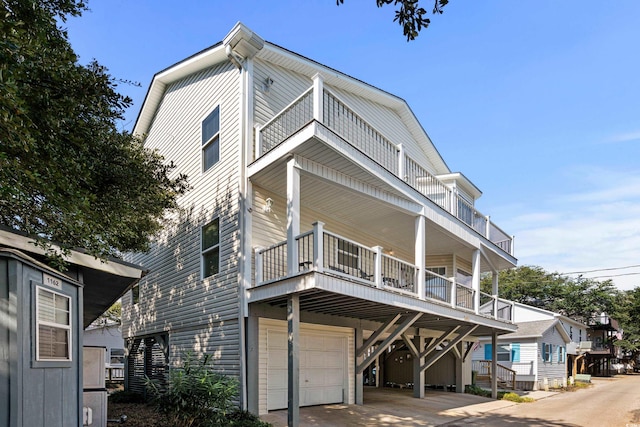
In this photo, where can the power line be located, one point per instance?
(603, 269)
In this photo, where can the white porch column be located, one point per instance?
(318, 95)
(318, 245)
(475, 280)
(378, 266)
(293, 363)
(494, 292)
(401, 171)
(293, 215)
(421, 255)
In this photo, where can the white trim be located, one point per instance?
(210, 249)
(210, 141)
(68, 327)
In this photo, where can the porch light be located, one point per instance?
(268, 204)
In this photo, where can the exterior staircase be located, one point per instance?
(506, 377)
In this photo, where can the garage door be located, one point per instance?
(323, 372)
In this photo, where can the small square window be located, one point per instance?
(116, 356)
(211, 248)
(53, 316)
(211, 139)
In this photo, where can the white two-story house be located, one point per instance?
(322, 228)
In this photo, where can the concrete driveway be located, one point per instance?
(395, 407)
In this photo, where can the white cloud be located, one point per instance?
(623, 137)
(598, 229)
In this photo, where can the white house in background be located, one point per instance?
(322, 227)
(546, 346)
(108, 336)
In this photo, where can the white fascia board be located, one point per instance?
(207, 58)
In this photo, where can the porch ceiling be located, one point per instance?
(328, 295)
(382, 220)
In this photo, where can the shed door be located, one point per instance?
(323, 361)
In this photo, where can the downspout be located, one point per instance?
(242, 66)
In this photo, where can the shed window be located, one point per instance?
(547, 352)
(211, 139)
(53, 314)
(116, 356)
(211, 248)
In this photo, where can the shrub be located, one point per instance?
(240, 418)
(196, 396)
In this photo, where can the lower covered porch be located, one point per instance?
(319, 338)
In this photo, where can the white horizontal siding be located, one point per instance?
(218, 340)
(201, 315)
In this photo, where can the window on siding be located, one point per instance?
(504, 352)
(116, 356)
(135, 293)
(561, 354)
(53, 317)
(211, 139)
(463, 278)
(437, 287)
(211, 248)
(348, 254)
(547, 352)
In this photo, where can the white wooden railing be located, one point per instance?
(326, 252)
(345, 122)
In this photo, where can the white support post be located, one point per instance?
(475, 280)
(293, 362)
(454, 201)
(378, 266)
(318, 246)
(259, 265)
(488, 227)
(454, 293)
(494, 291)
(293, 215)
(401, 171)
(318, 95)
(420, 254)
(258, 142)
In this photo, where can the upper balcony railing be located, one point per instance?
(337, 116)
(325, 252)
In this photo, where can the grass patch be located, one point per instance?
(502, 395)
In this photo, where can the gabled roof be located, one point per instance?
(278, 55)
(535, 329)
(549, 313)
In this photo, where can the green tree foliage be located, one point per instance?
(411, 17)
(67, 174)
(627, 313)
(577, 298)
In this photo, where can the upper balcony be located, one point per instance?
(320, 105)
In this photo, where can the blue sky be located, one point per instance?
(536, 101)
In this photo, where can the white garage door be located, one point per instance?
(323, 372)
